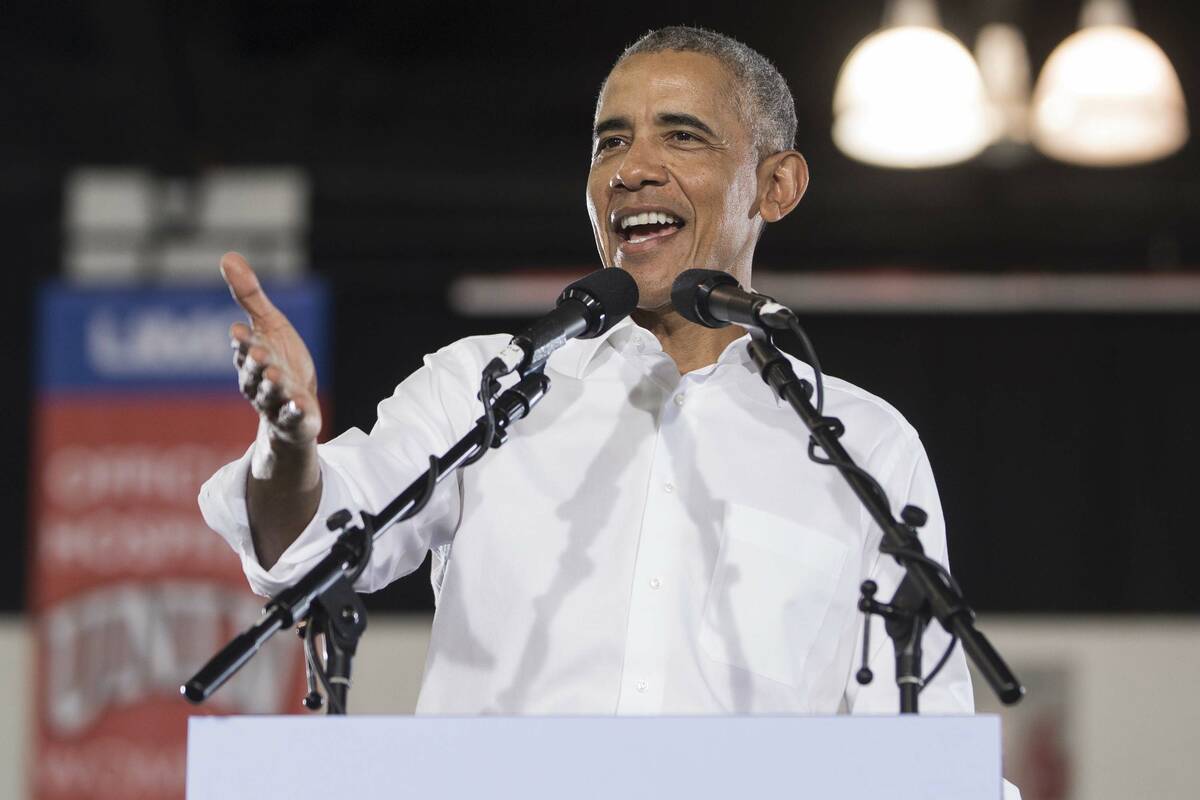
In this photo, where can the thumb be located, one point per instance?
(245, 288)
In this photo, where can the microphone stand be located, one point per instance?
(324, 600)
(923, 593)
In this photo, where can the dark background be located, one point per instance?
(443, 140)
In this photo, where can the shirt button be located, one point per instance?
(655, 583)
(679, 399)
(640, 686)
(668, 488)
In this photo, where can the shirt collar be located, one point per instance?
(576, 356)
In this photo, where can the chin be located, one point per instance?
(660, 302)
(654, 291)
(654, 282)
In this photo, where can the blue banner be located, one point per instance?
(157, 339)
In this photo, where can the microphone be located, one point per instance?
(587, 308)
(714, 299)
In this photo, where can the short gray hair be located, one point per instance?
(764, 102)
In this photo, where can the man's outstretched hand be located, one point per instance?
(275, 370)
(276, 374)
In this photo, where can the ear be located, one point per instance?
(782, 179)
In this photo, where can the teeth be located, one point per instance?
(648, 218)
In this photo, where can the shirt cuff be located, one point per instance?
(223, 506)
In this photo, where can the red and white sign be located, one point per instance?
(130, 591)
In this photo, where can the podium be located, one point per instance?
(551, 758)
(539, 758)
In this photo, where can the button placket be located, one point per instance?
(648, 634)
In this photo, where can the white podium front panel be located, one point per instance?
(614, 758)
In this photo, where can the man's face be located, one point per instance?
(670, 144)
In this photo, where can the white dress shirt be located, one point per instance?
(644, 543)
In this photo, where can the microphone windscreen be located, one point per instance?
(689, 294)
(614, 289)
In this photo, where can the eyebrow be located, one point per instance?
(610, 124)
(666, 118)
(687, 120)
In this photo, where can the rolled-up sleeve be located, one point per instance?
(223, 505)
(429, 411)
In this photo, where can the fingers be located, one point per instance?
(299, 419)
(291, 411)
(239, 340)
(289, 415)
(250, 370)
(273, 393)
(263, 382)
(246, 290)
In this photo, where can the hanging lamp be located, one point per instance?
(910, 95)
(1108, 96)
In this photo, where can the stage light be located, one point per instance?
(1108, 95)
(910, 94)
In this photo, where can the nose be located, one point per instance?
(640, 167)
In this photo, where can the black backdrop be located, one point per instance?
(445, 139)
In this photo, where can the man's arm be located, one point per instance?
(277, 375)
(270, 504)
(281, 504)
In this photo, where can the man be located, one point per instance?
(653, 538)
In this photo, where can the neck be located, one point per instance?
(692, 346)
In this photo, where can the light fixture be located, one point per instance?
(1004, 65)
(1108, 95)
(910, 94)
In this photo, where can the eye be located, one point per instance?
(608, 143)
(684, 136)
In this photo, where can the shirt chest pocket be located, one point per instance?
(770, 593)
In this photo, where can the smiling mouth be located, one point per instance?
(647, 227)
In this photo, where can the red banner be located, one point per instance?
(131, 592)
